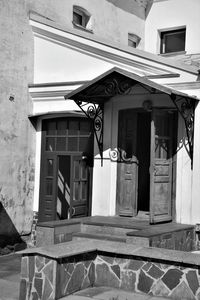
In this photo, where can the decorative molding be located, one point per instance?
(185, 85)
(39, 27)
(94, 112)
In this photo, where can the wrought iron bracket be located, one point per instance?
(94, 112)
(186, 108)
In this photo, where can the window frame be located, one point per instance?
(165, 33)
(85, 17)
(133, 40)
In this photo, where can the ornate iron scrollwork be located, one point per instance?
(95, 113)
(120, 155)
(186, 108)
(115, 86)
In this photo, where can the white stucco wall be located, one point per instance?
(171, 14)
(195, 205)
(54, 62)
(107, 20)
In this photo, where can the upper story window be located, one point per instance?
(172, 41)
(81, 18)
(133, 40)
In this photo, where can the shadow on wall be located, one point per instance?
(9, 236)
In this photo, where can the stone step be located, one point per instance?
(106, 229)
(99, 236)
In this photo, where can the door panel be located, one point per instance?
(127, 169)
(80, 187)
(161, 166)
(63, 187)
(48, 191)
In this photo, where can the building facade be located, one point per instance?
(48, 161)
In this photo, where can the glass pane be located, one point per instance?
(175, 42)
(73, 128)
(51, 128)
(132, 43)
(49, 187)
(50, 144)
(84, 128)
(76, 191)
(162, 148)
(83, 170)
(84, 190)
(63, 187)
(162, 125)
(83, 142)
(49, 167)
(61, 127)
(76, 169)
(129, 148)
(77, 18)
(61, 144)
(72, 144)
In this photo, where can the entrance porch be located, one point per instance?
(143, 152)
(132, 230)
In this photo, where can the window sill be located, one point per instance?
(172, 53)
(77, 26)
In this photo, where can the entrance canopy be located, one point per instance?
(92, 96)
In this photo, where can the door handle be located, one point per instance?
(152, 170)
(73, 211)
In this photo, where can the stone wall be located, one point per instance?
(45, 278)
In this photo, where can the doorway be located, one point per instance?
(147, 146)
(66, 169)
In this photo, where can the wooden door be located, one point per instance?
(161, 166)
(47, 207)
(127, 169)
(80, 188)
(65, 189)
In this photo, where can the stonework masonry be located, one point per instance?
(46, 278)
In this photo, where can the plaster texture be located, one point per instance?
(17, 134)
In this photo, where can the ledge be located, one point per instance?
(73, 248)
(77, 26)
(153, 231)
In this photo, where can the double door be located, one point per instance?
(146, 168)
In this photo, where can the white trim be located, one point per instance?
(44, 27)
(37, 165)
(185, 85)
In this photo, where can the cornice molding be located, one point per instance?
(185, 85)
(38, 22)
(141, 68)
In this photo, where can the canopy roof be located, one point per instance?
(117, 81)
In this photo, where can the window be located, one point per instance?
(81, 18)
(172, 41)
(133, 40)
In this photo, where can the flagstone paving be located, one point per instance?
(106, 293)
